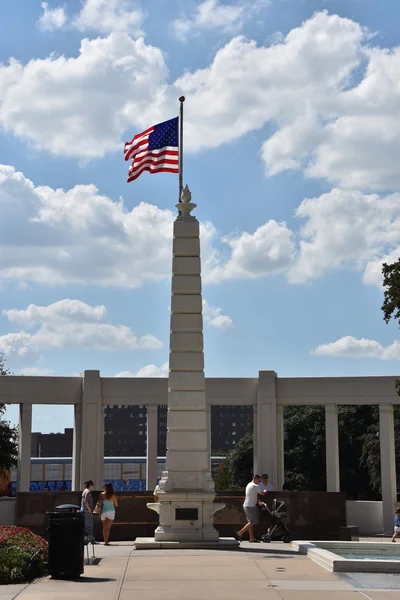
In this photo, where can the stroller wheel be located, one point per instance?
(266, 539)
(286, 539)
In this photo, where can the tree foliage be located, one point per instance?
(223, 476)
(391, 303)
(304, 447)
(305, 455)
(8, 434)
(238, 468)
(241, 460)
(391, 283)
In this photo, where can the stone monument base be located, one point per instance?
(186, 516)
(220, 544)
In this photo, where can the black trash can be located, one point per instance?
(66, 552)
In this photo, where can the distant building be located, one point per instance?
(125, 432)
(46, 445)
(228, 425)
(125, 429)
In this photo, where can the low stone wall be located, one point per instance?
(310, 515)
(7, 511)
(367, 515)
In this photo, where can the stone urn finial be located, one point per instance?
(185, 205)
(186, 194)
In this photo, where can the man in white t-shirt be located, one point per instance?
(265, 485)
(250, 507)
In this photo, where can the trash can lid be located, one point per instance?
(68, 507)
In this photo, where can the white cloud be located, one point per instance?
(333, 98)
(108, 16)
(373, 270)
(351, 347)
(52, 18)
(36, 371)
(269, 250)
(58, 311)
(214, 14)
(79, 106)
(17, 349)
(281, 82)
(80, 236)
(214, 318)
(345, 228)
(147, 371)
(97, 336)
(66, 324)
(362, 142)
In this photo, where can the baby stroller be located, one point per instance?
(277, 529)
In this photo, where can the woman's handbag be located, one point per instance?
(99, 507)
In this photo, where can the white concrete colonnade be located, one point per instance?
(267, 393)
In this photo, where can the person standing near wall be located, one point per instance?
(250, 507)
(264, 484)
(109, 503)
(87, 509)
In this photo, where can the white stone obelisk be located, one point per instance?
(186, 504)
(187, 488)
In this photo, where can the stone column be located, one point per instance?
(256, 445)
(151, 452)
(209, 431)
(388, 465)
(280, 447)
(186, 496)
(332, 448)
(92, 455)
(24, 447)
(265, 432)
(77, 448)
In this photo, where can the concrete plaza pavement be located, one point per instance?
(271, 572)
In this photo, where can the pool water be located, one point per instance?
(381, 556)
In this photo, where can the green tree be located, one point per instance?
(305, 451)
(223, 476)
(240, 460)
(391, 281)
(391, 302)
(356, 479)
(305, 464)
(304, 435)
(8, 434)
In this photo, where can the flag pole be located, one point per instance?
(181, 100)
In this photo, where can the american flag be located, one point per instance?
(154, 150)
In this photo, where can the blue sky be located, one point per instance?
(292, 140)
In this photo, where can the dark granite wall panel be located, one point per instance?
(310, 515)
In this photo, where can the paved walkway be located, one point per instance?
(272, 572)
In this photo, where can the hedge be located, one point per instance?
(23, 555)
